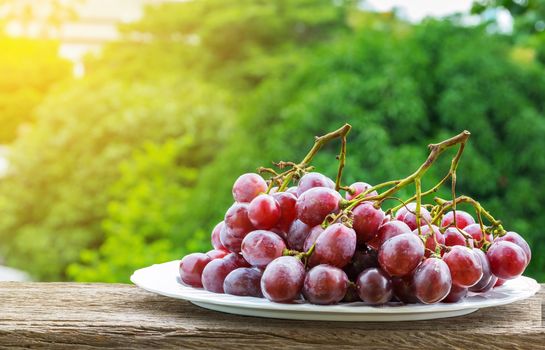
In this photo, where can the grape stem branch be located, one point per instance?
(319, 142)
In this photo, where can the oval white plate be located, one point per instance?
(163, 279)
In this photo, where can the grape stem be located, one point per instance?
(436, 150)
(319, 142)
(446, 205)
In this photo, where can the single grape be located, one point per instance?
(260, 247)
(474, 230)
(388, 230)
(514, 237)
(490, 284)
(500, 282)
(362, 260)
(404, 289)
(456, 294)
(484, 282)
(432, 281)
(313, 235)
(230, 240)
(351, 294)
(374, 286)
(465, 267)
(312, 180)
(399, 255)
(360, 187)
(237, 226)
(288, 212)
(282, 280)
(297, 235)
(293, 190)
(191, 268)
(248, 186)
(463, 219)
(454, 237)
(325, 284)
(236, 259)
(215, 237)
(335, 246)
(507, 260)
(400, 213)
(315, 204)
(409, 218)
(366, 221)
(214, 274)
(433, 237)
(217, 253)
(244, 281)
(264, 212)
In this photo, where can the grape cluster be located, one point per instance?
(310, 243)
(280, 245)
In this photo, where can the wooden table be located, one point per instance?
(83, 316)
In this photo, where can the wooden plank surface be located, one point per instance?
(84, 316)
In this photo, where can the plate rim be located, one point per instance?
(344, 308)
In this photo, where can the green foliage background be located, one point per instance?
(133, 164)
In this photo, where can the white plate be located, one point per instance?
(163, 279)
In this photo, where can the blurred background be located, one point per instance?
(124, 123)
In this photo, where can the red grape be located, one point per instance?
(215, 238)
(399, 255)
(404, 289)
(217, 253)
(388, 230)
(312, 180)
(297, 234)
(261, 247)
(474, 230)
(463, 219)
(456, 294)
(315, 204)
(236, 259)
(409, 218)
(293, 190)
(244, 281)
(465, 266)
(237, 226)
(454, 237)
(362, 260)
(490, 284)
(282, 280)
(484, 282)
(433, 238)
(248, 186)
(264, 212)
(312, 237)
(214, 274)
(507, 260)
(360, 187)
(374, 286)
(514, 237)
(335, 246)
(432, 281)
(288, 212)
(499, 282)
(325, 284)
(191, 268)
(366, 221)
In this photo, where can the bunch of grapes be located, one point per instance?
(325, 243)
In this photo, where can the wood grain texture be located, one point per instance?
(85, 316)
